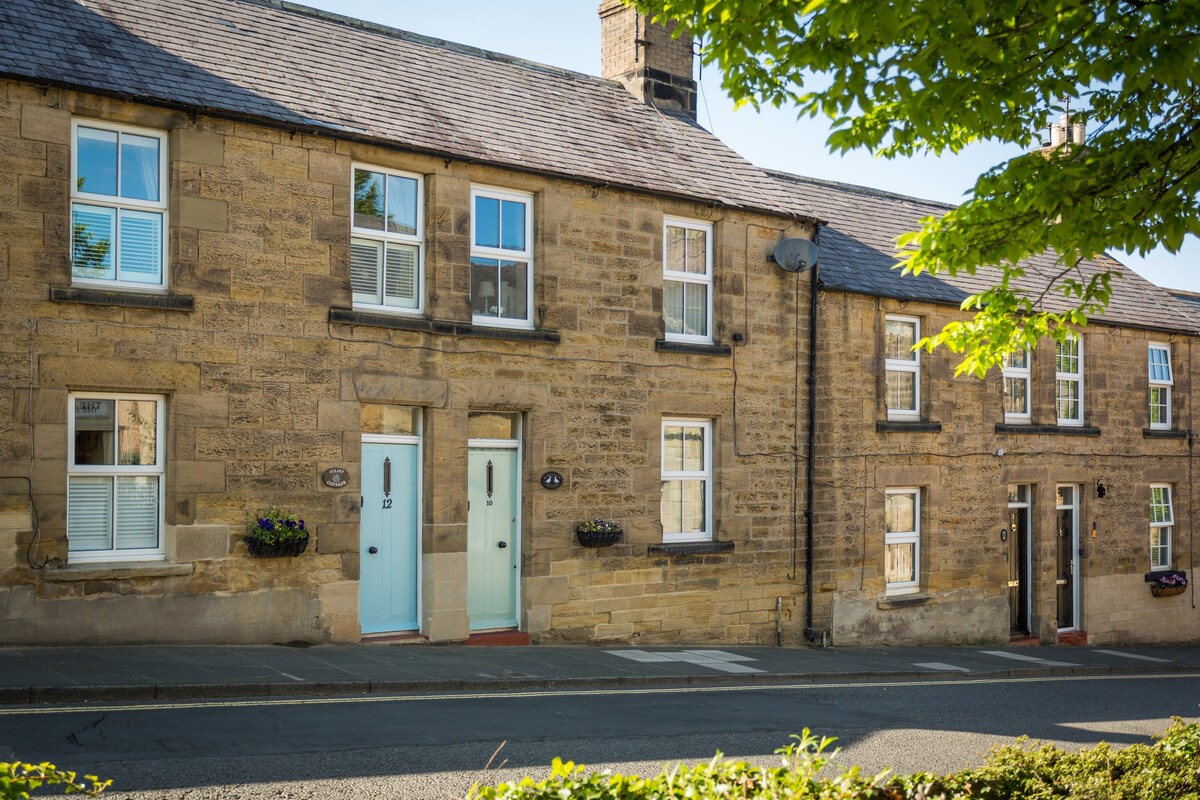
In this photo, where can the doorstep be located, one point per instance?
(513, 638)
(1072, 638)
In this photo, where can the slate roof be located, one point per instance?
(858, 246)
(277, 61)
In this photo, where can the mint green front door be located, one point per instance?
(493, 534)
(388, 533)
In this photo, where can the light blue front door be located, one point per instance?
(388, 535)
(492, 537)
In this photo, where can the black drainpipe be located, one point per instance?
(810, 480)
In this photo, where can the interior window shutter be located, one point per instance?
(89, 512)
(401, 276)
(365, 271)
(137, 512)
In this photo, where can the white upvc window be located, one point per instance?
(501, 258)
(687, 474)
(1068, 380)
(687, 280)
(387, 240)
(118, 206)
(1017, 381)
(1162, 525)
(1161, 381)
(115, 483)
(902, 364)
(902, 540)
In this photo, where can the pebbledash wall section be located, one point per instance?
(263, 392)
(964, 482)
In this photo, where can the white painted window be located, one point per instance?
(1017, 382)
(687, 280)
(903, 366)
(902, 540)
(686, 496)
(1162, 525)
(501, 258)
(386, 240)
(115, 471)
(1161, 381)
(1068, 378)
(118, 206)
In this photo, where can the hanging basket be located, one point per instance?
(289, 547)
(598, 538)
(1166, 591)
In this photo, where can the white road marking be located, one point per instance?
(713, 659)
(941, 666)
(641, 656)
(92, 708)
(1030, 659)
(1134, 655)
(721, 655)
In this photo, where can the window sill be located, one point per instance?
(348, 316)
(115, 571)
(106, 297)
(1154, 575)
(1159, 433)
(908, 427)
(1049, 430)
(903, 601)
(689, 548)
(692, 348)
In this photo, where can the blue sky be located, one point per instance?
(566, 33)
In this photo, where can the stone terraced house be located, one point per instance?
(1038, 503)
(446, 305)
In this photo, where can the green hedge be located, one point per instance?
(18, 780)
(1169, 769)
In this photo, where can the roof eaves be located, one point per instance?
(357, 134)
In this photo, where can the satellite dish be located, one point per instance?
(794, 255)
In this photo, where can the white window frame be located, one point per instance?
(1069, 377)
(525, 255)
(705, 475)
(412, 240)
(1164, 527)
(120, 203)
(1010, 372)
(901, 365)
(1164, 385)
(705, 280)
(912, 537)
(158, 469)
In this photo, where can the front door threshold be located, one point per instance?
(513, 638)
(394, 637)
(1023, 640)
(1073, 638)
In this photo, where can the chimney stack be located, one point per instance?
(655, 67)
(1065, 131)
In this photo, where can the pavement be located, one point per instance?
(182, 672)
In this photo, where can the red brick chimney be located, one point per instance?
(656, 67)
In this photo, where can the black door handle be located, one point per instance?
(372, 549)
(502, 545)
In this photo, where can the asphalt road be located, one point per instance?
(436, 746)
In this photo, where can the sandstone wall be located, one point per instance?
(264, 392)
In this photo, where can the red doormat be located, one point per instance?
(1073, 638)
(498, 639)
